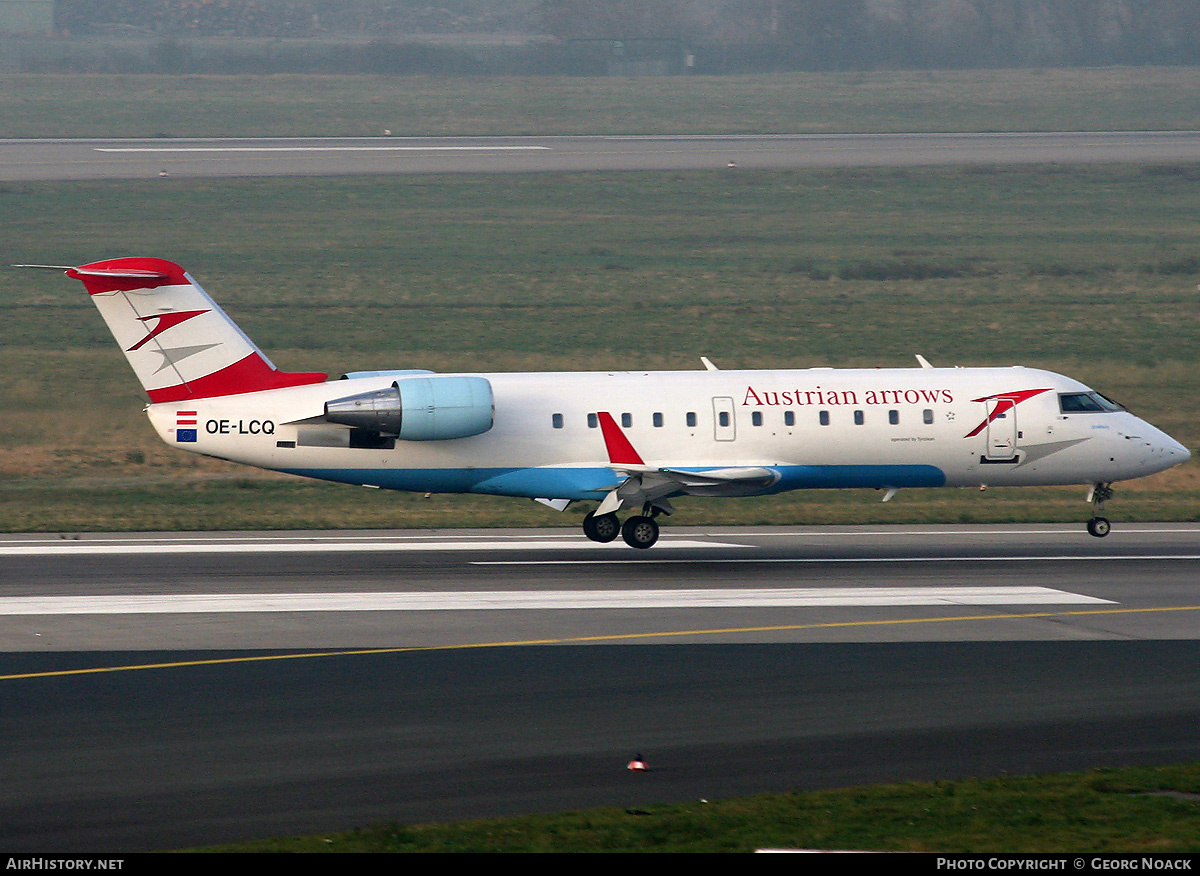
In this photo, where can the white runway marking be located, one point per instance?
(498, 600)
(159, 149)
(84, 548)
(777, 560)
(953, 533)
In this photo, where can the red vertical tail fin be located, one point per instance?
(179, 342)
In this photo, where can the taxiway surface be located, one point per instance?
(219, 157)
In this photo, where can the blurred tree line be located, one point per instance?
(295, 18)
(873, 34)
(721, 35)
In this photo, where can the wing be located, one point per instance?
(650, 485)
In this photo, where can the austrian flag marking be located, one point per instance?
(185, 427)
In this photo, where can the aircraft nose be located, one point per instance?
(1161, 451)
(1175, 452)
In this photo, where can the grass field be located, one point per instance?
(1126, 98)
(1091, 271)
(1149, 811)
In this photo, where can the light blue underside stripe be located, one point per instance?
(594, 483)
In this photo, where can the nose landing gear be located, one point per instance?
(1098, 495)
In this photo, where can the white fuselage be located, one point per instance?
(887, 428)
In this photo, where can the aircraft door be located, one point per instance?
(1001, 429)
(724, 427)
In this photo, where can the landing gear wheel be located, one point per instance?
(1098, 526)
(603, 529)
(640, 532)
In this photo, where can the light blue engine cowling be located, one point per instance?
(420, 409)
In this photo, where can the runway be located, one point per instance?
(492, 672)
(25, 160)
(359, 590)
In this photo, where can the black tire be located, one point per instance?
(603, 529)
(1098, 526)
(640, 532)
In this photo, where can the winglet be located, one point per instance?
(620, 451)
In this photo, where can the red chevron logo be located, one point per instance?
(165, 321)
(1005, 402)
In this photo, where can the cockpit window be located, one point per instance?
(1086, 403)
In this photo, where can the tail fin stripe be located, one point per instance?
(98, 281)
(251, 374)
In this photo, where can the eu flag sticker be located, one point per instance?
(185, 418)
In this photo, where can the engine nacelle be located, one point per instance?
(420, 409)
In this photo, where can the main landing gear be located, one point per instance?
(1098, 495)
(640, 531)
(604, 528)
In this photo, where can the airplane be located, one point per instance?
(628, 440)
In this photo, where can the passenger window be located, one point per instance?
(658, 420)
(789, 418)
(756, 418)
(858, 418)
(894, 417)
(927, 416)
(556, 420)
(824, 417)
(593, 421)
(626, 420)
(691, 418)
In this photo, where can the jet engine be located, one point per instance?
(419, 409)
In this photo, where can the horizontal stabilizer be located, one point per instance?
(115, 274)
